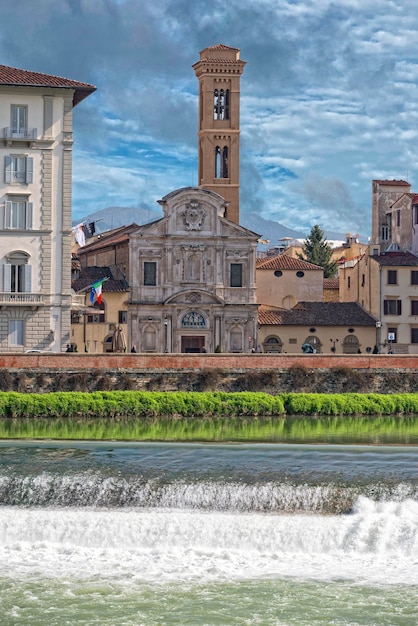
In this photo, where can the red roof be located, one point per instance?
(24, 78)
(285, 262)
(393, 183)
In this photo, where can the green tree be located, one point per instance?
(317, 250)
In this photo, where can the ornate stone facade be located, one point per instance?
(192, 278)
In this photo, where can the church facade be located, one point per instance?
(192, 278)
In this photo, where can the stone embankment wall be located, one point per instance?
(209, 372)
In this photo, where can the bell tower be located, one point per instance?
(219, 71)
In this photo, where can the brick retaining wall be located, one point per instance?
(209, 372)
(238, 362)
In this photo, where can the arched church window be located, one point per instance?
(225, 162)
(351, 344)
(273, 344)
(227, 104)
(193, 320)
(217, 162)
(221, 104)
(314, 341)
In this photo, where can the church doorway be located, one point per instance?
(192, 344)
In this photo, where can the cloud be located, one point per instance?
(329, 97)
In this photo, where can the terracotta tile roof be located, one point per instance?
(331, 283)
(405, 259)
(317, 314)
(415, 198)
(285, 262)
(108, 238)
(89, 275)
(393, 183)
(221, 46)
(24, 78)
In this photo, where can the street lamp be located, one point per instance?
(378, 330)
(333, 348)
(165, 334)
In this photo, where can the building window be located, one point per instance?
(150, 273)
(414, 277)
(348, 282)
(193, 320)
(221, 162)
(99, 317)
(300, 274)
(18, 169)
(16, 329)
(19, 120)
(123, 317)
(18, 214)
(221, 104)
(278, 273)
(414, 307)
(385, 232)
(392, 307)
(235, 275)
(363, 280)
(414, 335)
(17, 273)
(398, 218)
(392, 277)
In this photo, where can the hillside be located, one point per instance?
(113, 217)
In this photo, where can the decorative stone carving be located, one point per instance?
(193, 216)
(193, 297)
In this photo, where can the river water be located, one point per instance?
(252, 534)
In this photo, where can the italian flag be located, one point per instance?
(96, 291)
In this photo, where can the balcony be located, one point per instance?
(19, 134)
(32, 300)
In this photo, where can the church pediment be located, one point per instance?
(230, 229)
(197, 297)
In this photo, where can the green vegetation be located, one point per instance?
(317, 250)
(217, 416)
(201, 405)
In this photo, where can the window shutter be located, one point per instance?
(29, 215)
(28, 278)
(8, 215)
(29, 170)
(8, 169)
(7, 277)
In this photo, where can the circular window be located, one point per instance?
(312, 330)
(300, 274)
(278, 273)
(351, 330)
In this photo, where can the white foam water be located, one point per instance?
(376, 544)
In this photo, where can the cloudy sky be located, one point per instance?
(329, 98)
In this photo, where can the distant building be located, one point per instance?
(328, 327)
(36, 142)
(283, 281)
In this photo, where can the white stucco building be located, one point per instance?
(36, 142)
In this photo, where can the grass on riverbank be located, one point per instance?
(200, 405)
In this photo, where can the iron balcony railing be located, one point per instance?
(20, 133)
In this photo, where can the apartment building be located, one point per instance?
(36, 140)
